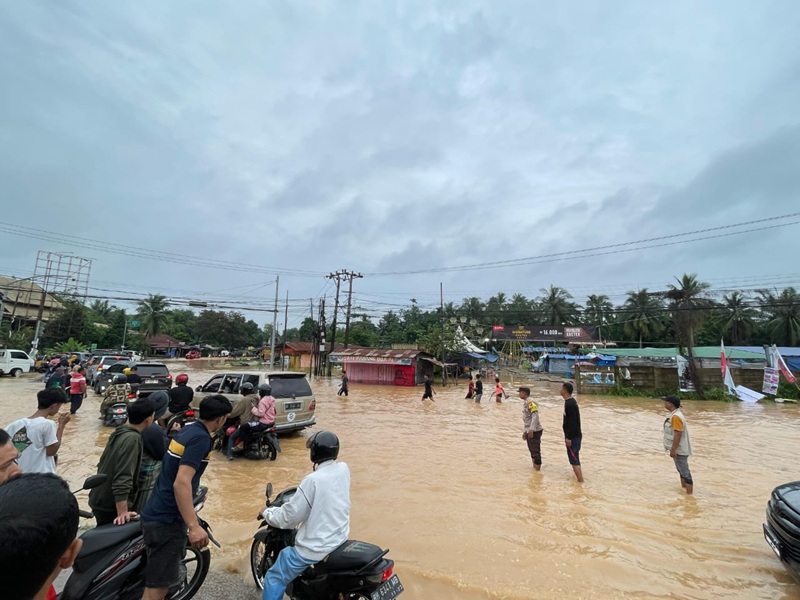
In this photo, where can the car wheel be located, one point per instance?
(16, 372)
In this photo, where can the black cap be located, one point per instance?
(674, 400)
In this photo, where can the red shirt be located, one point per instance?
(77, 384)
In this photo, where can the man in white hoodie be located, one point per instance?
(321, 506)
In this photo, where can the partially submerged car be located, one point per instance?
(782, 529)
(294, 400)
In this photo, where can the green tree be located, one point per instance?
(783, 312)
(180, 324)
(308, 330)
(557, 306)
(642, 316)
(737, 319)
(364, 333)
(690, 307)
(102, 310)
(152, 312)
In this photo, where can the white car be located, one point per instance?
(15, 362)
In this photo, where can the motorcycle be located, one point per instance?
(261, 445)
(117, 413)
(182, 419)
(110, 564)
(354, 571)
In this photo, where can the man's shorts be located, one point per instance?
(574, 452)
(165, 543)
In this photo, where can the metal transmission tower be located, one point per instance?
(340, 276)
(59, 273)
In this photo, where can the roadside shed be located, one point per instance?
(385, 366)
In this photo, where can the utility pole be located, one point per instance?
(274, 326)
(313, 341)
(323, 326)
(285, 322)
(350, 278)
(441, 312)
(336, 276)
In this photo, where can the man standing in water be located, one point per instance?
(478, 388)
(428, 389)
(572, 429)
(676, 441)
(532, 432)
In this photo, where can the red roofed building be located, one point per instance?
(383, 366)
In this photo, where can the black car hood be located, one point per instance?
(789, 494)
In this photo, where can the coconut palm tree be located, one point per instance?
(784, 316)
(102, 309)
(737, 318)
(152, 312)
(642, 315)
(690, 307)
(598, 310)
(557, 306)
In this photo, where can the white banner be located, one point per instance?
(685, 383)
(771, 381)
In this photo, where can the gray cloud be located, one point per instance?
(316, 135)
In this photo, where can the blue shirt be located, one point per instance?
(190, 447)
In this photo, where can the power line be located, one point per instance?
(610, 248)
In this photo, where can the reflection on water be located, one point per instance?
(449, 488)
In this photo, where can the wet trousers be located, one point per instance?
(535, 447)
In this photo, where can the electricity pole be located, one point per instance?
(336, 276)
(274, 326)
(349, 302)
(285, 324)
(441, 307)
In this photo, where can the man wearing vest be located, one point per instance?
(676, 441)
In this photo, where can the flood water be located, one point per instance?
(448, 486)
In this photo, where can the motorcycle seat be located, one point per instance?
(350, 556)
(107, 536)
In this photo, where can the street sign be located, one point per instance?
(134, 323)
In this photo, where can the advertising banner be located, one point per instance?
(545, 333)
(685, 383)
(771, 381)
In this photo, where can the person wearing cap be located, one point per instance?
(676, 441)
(532, 432)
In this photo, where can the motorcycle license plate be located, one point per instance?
(151, 380)
(390, 589)
(773, 544)
(293, 406)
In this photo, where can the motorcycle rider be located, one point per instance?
(117, 393)
(180, 396)
(264, 411)
(321, 507)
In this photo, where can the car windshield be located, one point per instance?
(149, 370)
(284, 386)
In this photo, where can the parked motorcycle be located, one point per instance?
(182, 419)
(354, 571)
(111, 562)
(261, 445)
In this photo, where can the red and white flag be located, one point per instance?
(781, 364)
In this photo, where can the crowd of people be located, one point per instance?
(153, 475)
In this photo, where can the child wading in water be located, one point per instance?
(429, 391)
(499, 392)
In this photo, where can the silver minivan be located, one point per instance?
(294, 401)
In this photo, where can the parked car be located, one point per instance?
(103, 379)
(155, 376)
(782, 529)
(192, 354)
(294, 400)
(15, 362)
(98, 363)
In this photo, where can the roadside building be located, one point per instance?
(384, 366)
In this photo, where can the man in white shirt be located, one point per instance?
(38, 438)
(321, 506)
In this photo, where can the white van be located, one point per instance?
(14, 362)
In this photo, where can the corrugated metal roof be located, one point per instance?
(378, 353)
(699, 352)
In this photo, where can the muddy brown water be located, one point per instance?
(448, 487)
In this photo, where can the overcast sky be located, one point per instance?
(399, 136)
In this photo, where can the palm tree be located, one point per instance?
(102, 309)
(152, 313)
(784, 313)
(642, 315)
(689, 306)
(737, 318)
(598, 310)
(557, 306)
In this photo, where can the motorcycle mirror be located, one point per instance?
(199, 388)
(94, 481)
(269, 490)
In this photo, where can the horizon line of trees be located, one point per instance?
(686, 314)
